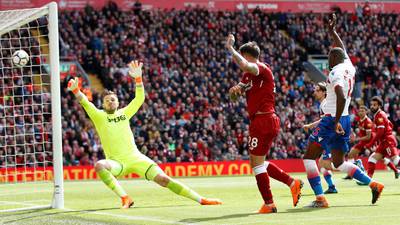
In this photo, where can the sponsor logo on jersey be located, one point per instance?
(117, 119)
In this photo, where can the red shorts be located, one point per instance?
(388, 147)
(263, 130)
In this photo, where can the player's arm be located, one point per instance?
(243, 64)
(380, 131)
(73, 86)
(306, 127)
(366, 137)
(236, 91)
(340, 104)
(332, 32)
(135, 71)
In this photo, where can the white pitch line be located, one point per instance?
(140, 218)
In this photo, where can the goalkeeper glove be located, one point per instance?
(73, 85)
(135, 70)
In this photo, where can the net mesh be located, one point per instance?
(25, 115)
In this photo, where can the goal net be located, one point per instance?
(30, 114)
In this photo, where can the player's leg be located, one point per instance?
(352, 157)
(326, 170)
(395, 159)
(313, 151)
(356, 173)
(277, 173)
(108, 170)
(148, 169)
(260, 142)
(157, 175)
(372, 160)
(391, 165)
(263, 184)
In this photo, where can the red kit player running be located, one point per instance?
(258, 85)
(384, 137)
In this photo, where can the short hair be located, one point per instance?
(250, 48)
(378, 100)
(363, 107)
(338, 52)
(322, 86)
(107, 92)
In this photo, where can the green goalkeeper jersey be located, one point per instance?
(114, 129)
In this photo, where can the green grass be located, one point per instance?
(91, 203)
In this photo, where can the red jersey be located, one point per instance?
(260, 90)
(382, 122)
(364, 125)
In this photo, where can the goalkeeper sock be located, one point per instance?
(183, 190)
(111, 182)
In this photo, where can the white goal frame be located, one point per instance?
(28, 15)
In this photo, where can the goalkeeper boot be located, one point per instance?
(270, 208)
(127, 202)
(210, 201)
(376, 189)
(295, 189)
(320, 202)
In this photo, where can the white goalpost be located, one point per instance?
(31, 169)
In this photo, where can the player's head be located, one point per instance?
(110, 101)
(320, 91)
(250, 51)
(336, 56)
(376, 104)
(362, 111)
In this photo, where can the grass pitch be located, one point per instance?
(92, 203)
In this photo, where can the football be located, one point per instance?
(20, 58)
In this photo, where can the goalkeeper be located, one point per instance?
(122, 155)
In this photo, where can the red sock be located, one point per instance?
(371, 169)
(278, 174)
(264, 188)
(392, 166)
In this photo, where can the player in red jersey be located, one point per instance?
(258, 85)
(387, 143)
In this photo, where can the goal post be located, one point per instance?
(31, 161)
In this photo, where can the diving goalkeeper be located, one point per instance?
(122, 155)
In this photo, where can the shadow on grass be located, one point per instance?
(31, 214)
(161, 206)
(198, 220)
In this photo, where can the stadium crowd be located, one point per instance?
(187, 115)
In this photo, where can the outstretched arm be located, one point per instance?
(332, 32)
(73, 86)
(135, 71)
(243, 64)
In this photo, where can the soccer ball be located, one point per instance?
(20, 58)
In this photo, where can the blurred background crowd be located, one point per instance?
(187, 115)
